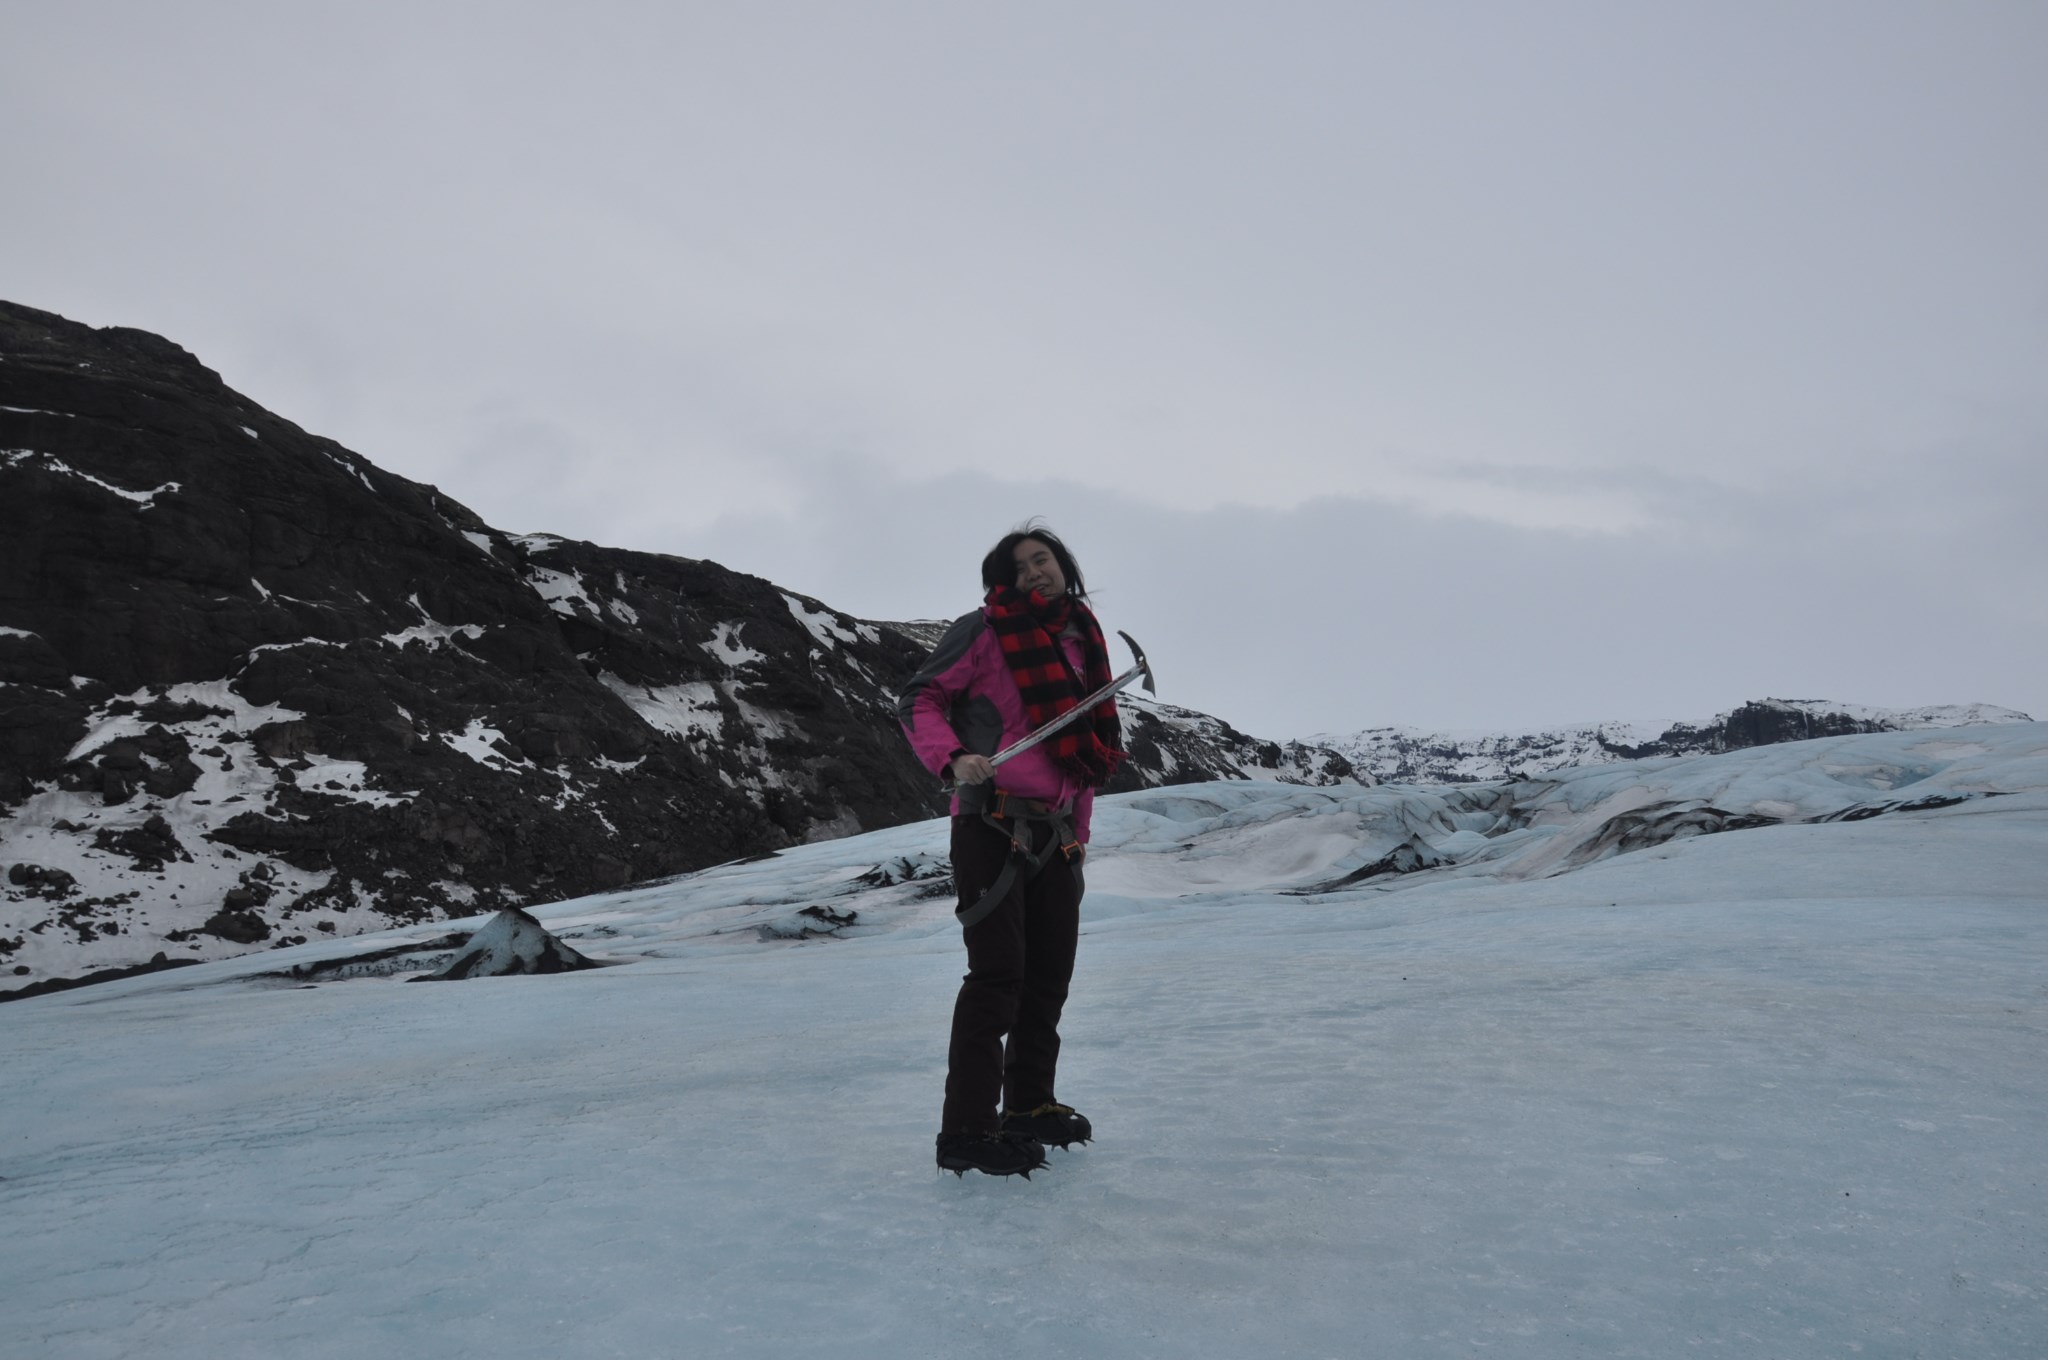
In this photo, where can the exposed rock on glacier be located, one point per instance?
(511, 943)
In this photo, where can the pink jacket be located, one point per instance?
(963, 699)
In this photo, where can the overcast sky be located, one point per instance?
(1459, 365)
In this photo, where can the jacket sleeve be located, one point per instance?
(1084, 814)
(926, 700)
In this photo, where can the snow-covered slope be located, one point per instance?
(1596, 1084)
(1410, 755)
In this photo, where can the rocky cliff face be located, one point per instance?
(247, 671)
(254, 688)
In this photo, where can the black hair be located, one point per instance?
(999, 568)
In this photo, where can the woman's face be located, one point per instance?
(1039, 570)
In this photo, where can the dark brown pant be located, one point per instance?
(1020, 959)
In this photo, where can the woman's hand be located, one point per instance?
(972, 769)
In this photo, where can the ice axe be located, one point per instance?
(1142, 668)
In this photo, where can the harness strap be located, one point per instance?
(1023, 860)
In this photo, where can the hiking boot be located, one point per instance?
(1052, 1124)
(992, 1154)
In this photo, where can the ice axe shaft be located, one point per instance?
(1140, 669)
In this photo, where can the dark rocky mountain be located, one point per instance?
(254, 688)
(1400, 755)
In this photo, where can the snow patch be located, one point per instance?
(824, 624)
(622, 611)
(682, 709)
(461, 894)
(145, 499)
(350, 468)
(241, 716)
(432, 633)
(563, 590)
(138, 909)
(694, 709)
(347, 779)
(480, 742)
(726, 646)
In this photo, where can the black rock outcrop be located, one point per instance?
(509, 944)
(228, 644)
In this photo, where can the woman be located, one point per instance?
(1020, 831)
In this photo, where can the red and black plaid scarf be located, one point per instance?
(1029, 628)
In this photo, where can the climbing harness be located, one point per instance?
(1013, 817)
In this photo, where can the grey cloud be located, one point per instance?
(1341, 614)
(1739, 322)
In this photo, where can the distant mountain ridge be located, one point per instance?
(1406, 755)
